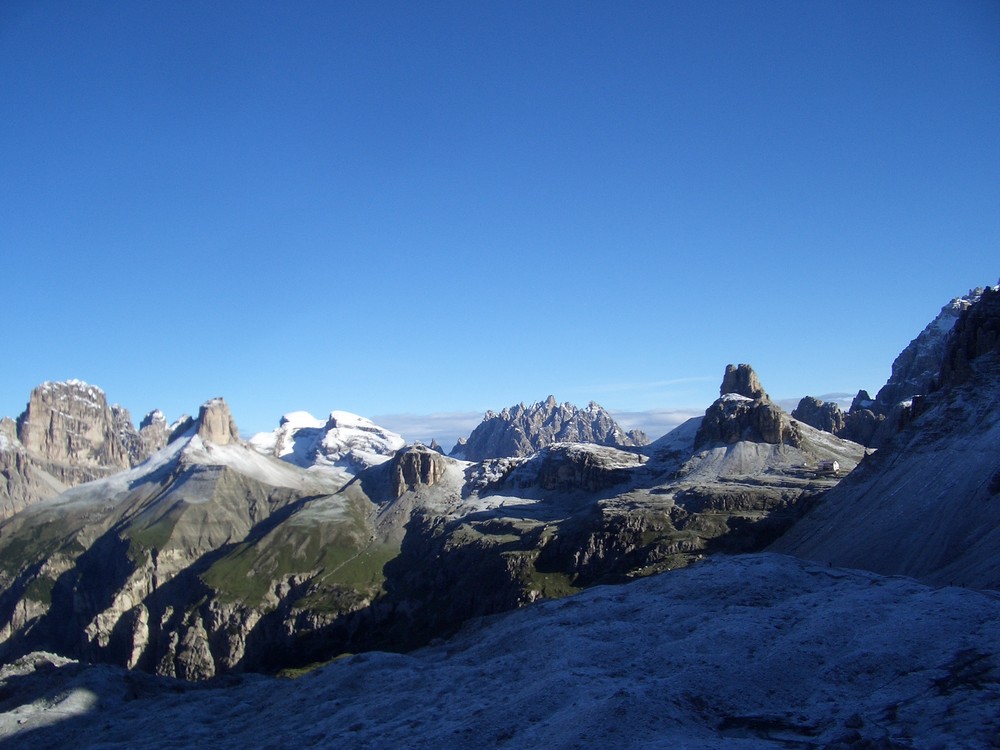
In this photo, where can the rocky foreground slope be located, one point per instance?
(758, 651)
(216, 556)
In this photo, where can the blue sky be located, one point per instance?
(413, 209)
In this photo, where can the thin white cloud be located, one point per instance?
(655, 422)
(445, 427)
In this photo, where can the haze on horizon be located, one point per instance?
(428, 212)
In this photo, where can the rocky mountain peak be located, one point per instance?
(155, 417)
(975, 334)
(743, 381)
(744, 411)
(153, 432)
(216, 423)
(521, 430)
(965, 328)
(72, 423)
(823, 415)
(915, 371)
(8, 433)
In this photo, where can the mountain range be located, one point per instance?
(189, 553)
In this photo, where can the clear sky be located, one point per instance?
(419, 211)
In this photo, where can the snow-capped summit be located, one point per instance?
(345, 441)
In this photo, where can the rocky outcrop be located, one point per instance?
(521, 430)
(216, 424)
(736, 416)
(572, 467)
(743, 381)
(22, 481)
(823, 415)
(415, 467)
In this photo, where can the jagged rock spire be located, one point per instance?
(743, 411)
(742, 380)
(216, 424)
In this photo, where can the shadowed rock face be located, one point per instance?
(976, 334)
(916, 370)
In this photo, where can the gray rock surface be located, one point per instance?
(153, 432)
(755, 651)
(216, 423)
(823, 415)
(742, 380)
(415, 467)
(72, 425)
(521, 430)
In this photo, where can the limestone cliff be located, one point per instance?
(67, 435)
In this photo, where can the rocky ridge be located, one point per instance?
(521, 430)
(917, 371)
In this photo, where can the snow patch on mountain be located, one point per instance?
(344, 443)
